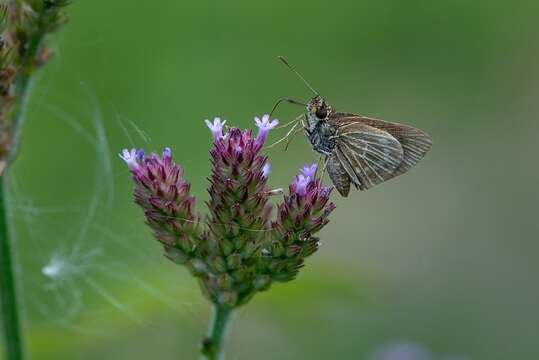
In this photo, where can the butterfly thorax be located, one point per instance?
(320, 132)
(322, 137)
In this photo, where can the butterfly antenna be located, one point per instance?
(284, 61)
(290, 101)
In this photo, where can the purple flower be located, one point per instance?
(239, 216)
(216, 127)
(164, 196)
(266, 169)
(140, 155)
(303, 212)
(130, 157)
(167, 153)
(309, 171)
(264, 126)
(301, 182)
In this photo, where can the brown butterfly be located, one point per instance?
(357, 149)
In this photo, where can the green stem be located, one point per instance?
(212, 345)
(22, 90)
(8, 292)
(10, 310)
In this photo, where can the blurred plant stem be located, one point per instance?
(22, 94)
(8, 292)
(8, 263)
(212, 345)
(24, 24)
(11, 310)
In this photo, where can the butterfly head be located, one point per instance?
(318, 110)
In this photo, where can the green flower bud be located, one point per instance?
(176, 255)
(217, 264)
(262, 282)
(234, 261)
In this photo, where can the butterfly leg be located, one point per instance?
(326, 159)
(290, 132)
(318, 167)
(292, 138)
(296, 120)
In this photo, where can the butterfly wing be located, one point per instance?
(367, 154)
(337, 174)
(415, 143)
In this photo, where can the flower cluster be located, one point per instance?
(303, 212)
(239, 213)
(169, 209)
(23, 26)
(236, 250)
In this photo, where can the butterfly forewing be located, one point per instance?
(368, 155)
(415, 143)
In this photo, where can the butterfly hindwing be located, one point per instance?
(338, 174)
(368, 155)
(415, 143)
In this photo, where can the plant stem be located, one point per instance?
(22, 90)
(8, 292)
(10, 310)
(212, 346)
(27, 64)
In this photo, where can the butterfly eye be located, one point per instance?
(321, 113)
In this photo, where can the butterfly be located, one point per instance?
(360, 150)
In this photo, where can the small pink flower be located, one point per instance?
(264, 126)
(216, 127)
(167, 153)
(309, 171)
(301, 182)
(266, 170)
(130, 157)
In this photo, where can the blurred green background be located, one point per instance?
(445, 257)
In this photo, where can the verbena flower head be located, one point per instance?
(237, 249)
(169, 209)
(303, 212)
